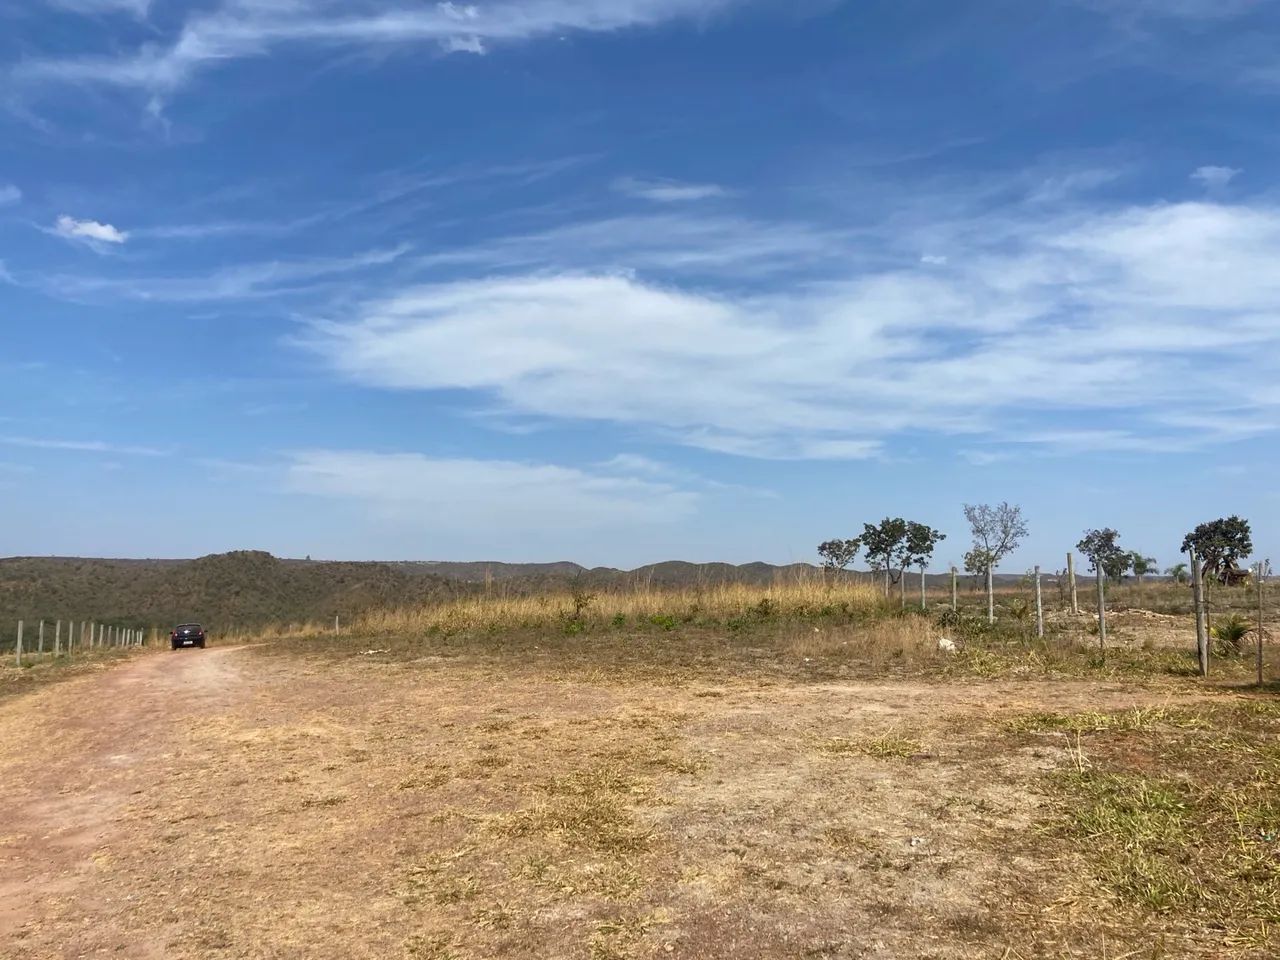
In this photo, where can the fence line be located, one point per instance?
(91, 634)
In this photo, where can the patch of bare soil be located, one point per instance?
(223, 804)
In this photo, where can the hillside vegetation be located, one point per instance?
(245, 588)
(252, 588)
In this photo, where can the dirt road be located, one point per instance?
(79, 761)
(224, 803)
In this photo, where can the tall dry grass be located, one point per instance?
(708, 603)
(909, 639)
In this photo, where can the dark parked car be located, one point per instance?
(187, 635)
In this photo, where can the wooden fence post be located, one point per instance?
(19, 646)
(1039, 608)
(336, 628)
(955, 591)
(1197, 600)
(1071, 581)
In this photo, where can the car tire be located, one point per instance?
(173, 645)
(200, 644)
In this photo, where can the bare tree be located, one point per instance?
(997, 531)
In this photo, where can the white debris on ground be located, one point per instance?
(946, 645)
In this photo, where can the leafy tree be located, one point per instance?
(997, 531)
(918, 549)
(976, 562)
(1221, 545)
(1178, 573)
(921, 541)
(1108, 560)
(884, 545)
(1105, 553)
(1141, 565)
(838, 554)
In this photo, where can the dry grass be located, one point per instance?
(884, 747)
(1177, 816)
(665, 608)
(908, 640)
(496, 806)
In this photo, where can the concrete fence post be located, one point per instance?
(1039, 607)
(1197, 600)
(57, 640)
(1261, 679)
(19, 646)
(1102, 613)
(1071, 582)
(40, 640)
(955, 590)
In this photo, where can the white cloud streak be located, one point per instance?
(135, 8)
(82, 446)
(1192, 10)
(248, 281)
(1080, 316)
(725, 246)
(241, 29)
(464, 495)
(9, 194)
(1215, 178)
(668, 191)
(90, 231)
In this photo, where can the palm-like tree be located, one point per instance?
(1230, 632)
(1178, 573)
(1141, 565)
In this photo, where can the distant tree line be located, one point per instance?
(896, 545)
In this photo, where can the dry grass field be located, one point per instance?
(699, 774)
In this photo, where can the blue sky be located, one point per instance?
(628, 280)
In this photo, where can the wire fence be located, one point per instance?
(27, 642)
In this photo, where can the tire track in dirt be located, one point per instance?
(71, 757)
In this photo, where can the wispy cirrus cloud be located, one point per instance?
(9, 194)
(667, 191)
(1081, 314)
(724, 245)
(516, 497)
(243, 29)
(1213, 177)
(1175, 9)
(82, 446)
(136, 8)
(248, 281)
(88, 231)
